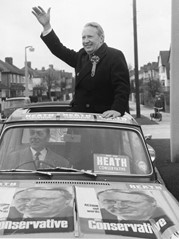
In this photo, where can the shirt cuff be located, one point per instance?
(46, 32)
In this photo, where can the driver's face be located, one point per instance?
(127, 206)
(38, 138)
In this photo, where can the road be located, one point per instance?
(160, 141)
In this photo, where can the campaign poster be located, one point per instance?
(5, 201)
(37, 210)
(125, 211)
(111, 163)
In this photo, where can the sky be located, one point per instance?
(19, 28)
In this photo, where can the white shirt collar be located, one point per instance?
(42, 155)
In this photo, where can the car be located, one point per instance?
(11, 104)
(67, 174)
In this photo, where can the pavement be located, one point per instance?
(160, 141)
(158, 129)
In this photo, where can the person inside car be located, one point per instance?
(37, 155)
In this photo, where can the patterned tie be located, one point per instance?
(37, 160)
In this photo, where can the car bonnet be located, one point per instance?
(84, 214)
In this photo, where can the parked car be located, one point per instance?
(11, 104)
(94, 178)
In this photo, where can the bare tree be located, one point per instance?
(52, 80)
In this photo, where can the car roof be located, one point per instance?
(61, 113)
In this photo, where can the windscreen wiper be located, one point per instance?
(64, 169)
(27, 170)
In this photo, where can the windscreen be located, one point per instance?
(98, 149)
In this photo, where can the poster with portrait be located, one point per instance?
(35, 209)
(127, 210)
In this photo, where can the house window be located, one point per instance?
(10, 78)
(18, 80)
(14, 79)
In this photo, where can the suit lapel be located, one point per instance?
(26, 159)
(85, 69)
(49, 158)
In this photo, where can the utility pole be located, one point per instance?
(174, 85)
(26, 70)
(136, 60)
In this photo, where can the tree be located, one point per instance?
(52, 79)
(154, 86)
(150, 89)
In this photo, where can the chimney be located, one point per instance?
(9, 60)
(29, 64)
(51, 66)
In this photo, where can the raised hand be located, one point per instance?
(42, 16)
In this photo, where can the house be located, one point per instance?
(146, 74)
(11, 81)
(149, 72)
(3, 88)
(155, 71)
(164, 69)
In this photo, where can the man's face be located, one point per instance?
(91, 40)
(40, 203)
(127, 206)
(38, 138)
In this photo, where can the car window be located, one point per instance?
(101, 150)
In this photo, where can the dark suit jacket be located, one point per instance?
(108, 89)
(23, 159)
